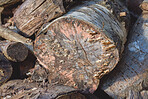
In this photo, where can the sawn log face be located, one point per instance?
(80, 47)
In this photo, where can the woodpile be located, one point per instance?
(73, 49)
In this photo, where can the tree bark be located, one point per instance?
(14, 51)
(82, 46)
(131, 73)
(32, 14)
(5, 69)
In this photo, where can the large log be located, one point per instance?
(33, 13)
(82, 46)
(132, 71)
(5, 69)
(14, 51)
(17, 89)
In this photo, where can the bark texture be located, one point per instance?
(82, 46)
(5, 69)
(17, 89)
(132, 71)
(14, 51)
(32, 14)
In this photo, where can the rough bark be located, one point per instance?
(5, 69)
(14, 51)
(17, 89)
(82, 46)
(12, 36)
(131, 73)
(32, 14)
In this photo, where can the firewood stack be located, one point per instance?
(72, 49)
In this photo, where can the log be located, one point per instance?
(132, 71)
(5, 69)
(32, 14)
(14, 51)
(82, 46)
(13, 36)
(17, 89)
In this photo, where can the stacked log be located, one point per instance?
(129, 78)
(82, 46)
(32, 14)
(27, 90)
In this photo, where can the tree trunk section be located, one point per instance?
(5, 69)
(82, 46)
(131, 73)
(14, 51)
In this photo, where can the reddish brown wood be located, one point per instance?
(14, 51)
(82, 46)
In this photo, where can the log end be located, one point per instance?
(76, 53)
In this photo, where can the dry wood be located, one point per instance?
(17, 89)
(33, 13)
(5, 3)
(132, 71)
(12, 36)
(14, 51)
(5, 69)
(82, 46)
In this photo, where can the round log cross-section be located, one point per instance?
(80, 47)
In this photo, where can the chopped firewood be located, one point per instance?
(14, 51)
(81, 47)
(17, 89)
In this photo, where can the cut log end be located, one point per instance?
(15, 51)
(76, 53)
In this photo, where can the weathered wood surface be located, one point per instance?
(17, 89)
(14, 51)
(12, 36)
(82, 46)
(32, 14)
(132, 71)
(4, 3)
(5, 69)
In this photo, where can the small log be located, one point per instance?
(17, 89)
(5, 69)
(33, 13)
(12, 36)
(132, 71)
(82, 46)
(14, 51)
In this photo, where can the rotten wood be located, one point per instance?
(14, 51)
(5, 69)
(81, 47)
(32, 14)
(17, 89)
(132, 71)
(12, 36)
